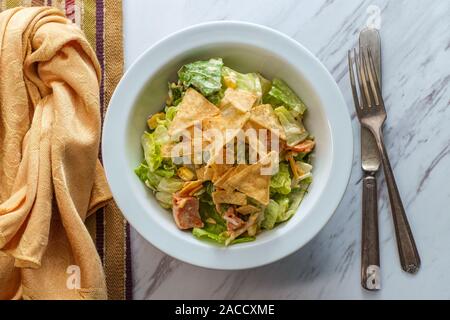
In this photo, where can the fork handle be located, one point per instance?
(409, 256)
(370, 250)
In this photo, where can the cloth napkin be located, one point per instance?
(51, 179)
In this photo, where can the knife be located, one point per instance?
(370, 163)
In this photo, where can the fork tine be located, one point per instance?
(370, 78)
(358, 73)
(374, 82)
(364, 80)
(352, 82)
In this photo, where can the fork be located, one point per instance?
(371, 113)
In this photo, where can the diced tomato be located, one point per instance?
(185, 212)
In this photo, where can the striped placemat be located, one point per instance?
(101, 21)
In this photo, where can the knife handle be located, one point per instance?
(407, 250)
(370, 251)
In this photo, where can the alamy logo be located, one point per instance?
(374, 17)
(230, 146)
(373, 281)
(73, 281)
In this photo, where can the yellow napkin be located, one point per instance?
(50, 175)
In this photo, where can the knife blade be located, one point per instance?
(370, 163)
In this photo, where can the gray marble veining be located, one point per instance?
(416, 73)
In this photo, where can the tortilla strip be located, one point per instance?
(193, 109)
(264, 116)
(218, 170)
(239, 99)
(222, 182)
(190, 187)
(247, 209)
(204, 173)
(251, 182)
(229, 118)
(227, 197)
(227, 125)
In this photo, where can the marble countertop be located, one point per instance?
(416, 73)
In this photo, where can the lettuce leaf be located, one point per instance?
(161, 135)
(164, 199)
(207, 195)
(214, 232)
(248, 82)
(294, 129)
(176, 92)
(281, 95)
(243, 240)
(271, 215)
(216, 97)
(209, 211)
(283, 202)
(171, 112)
(205, 76)
(142, 172)
(167, 169)
(170, 185)
(204, 234)
(282, 208)
(295, 198)
(218, 238)
(153, 180)
(266, 85)
(281, 182)
(305, 169)
(152, 151)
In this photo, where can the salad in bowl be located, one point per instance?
(229, 154)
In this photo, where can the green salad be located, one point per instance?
(229, 154)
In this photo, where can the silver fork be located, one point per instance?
(372, 115)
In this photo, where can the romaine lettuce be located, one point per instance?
(161, 135)
(282, 208)
(204, 234)
(249, 82)
(215, 231)
(295, 198)
(281, 95)
(294, 129)
(271, 215)
(218, 238)
(142, 172)
(153, 180)
(164, 199)
(152, 151)
(170, 185)
(305, 170)
(171, 112)
(216, 97)
(206, 196)
(176, 92)
(283, 202)
(205, 76)
(281, 182)
(266, 85)
(208, 211)
(243, 240)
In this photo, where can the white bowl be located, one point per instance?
(247, 48)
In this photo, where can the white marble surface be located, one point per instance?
(416, 52)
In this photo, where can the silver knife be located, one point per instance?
(370, 162)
